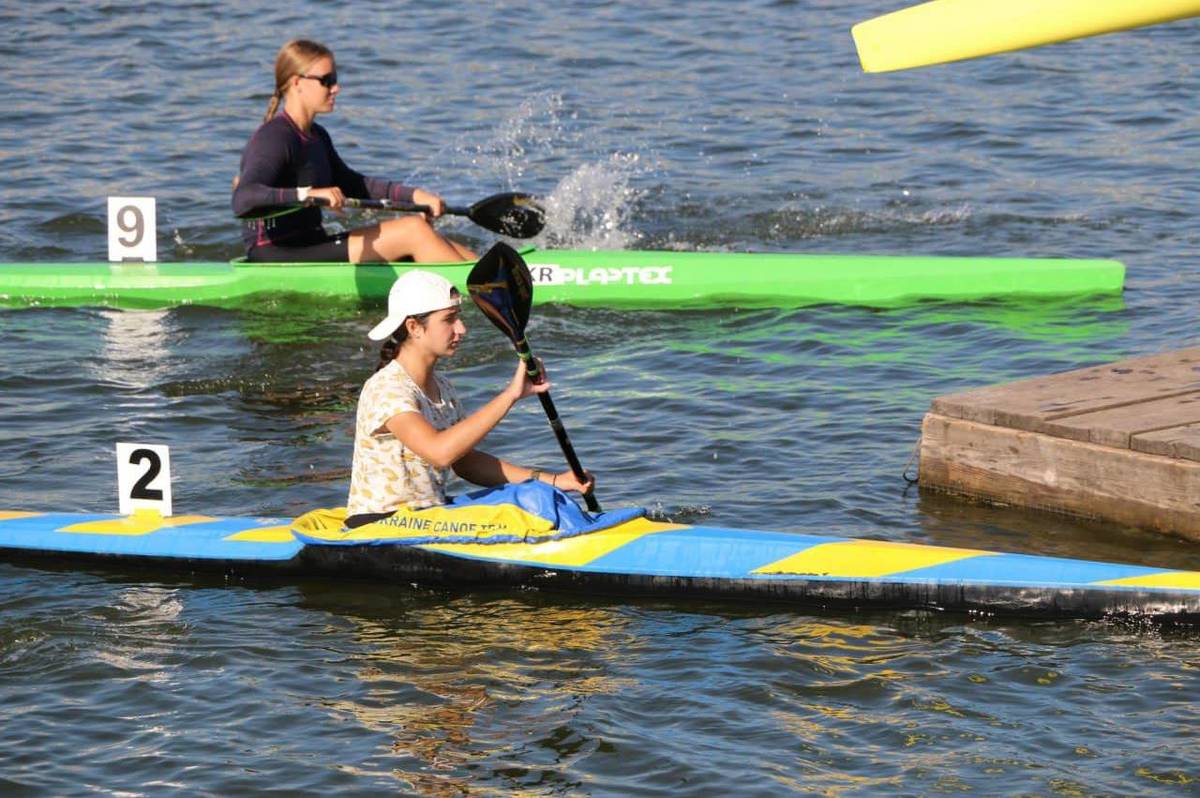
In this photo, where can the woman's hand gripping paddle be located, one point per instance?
(501, 287)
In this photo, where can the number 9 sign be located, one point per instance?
(143, 478)
(132, 233)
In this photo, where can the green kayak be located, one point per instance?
(618, 279)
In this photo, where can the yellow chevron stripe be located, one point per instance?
(12, 515)
(140, 523)
(574, 551)
(265, 534)
(1180, 580)
(866, 558)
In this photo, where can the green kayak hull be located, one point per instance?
(615, 279)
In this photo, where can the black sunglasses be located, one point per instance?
(328, 81)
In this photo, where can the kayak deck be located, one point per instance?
(642, 557)
(620, 279)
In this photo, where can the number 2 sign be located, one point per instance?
(143, 478)
(132, 233)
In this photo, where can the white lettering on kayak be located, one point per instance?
(553, 274)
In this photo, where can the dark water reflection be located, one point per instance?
(435, 693)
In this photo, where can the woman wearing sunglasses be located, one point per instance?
(291, 159)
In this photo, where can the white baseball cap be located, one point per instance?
(412, 294)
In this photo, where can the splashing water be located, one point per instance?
(534, 132)
(532, 135)
(591, 208)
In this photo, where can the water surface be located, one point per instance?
(705, 127)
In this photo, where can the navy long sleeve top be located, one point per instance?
(277, 161)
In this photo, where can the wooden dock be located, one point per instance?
(1119, 442)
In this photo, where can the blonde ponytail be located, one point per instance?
(271, 107)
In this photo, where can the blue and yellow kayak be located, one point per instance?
(626, 554)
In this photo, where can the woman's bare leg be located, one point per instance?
(405, 237)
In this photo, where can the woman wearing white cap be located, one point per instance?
(410, 429)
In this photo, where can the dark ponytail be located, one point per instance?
(391, 347)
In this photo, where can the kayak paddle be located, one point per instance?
(951, 30)
(511, 213)
(501, 286)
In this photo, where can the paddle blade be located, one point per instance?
(500, 286)
(510, 214)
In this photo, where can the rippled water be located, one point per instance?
(704, 126)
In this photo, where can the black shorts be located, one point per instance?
(329, 249)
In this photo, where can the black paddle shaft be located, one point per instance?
(511, 213)
(537, 377)
(501, 286)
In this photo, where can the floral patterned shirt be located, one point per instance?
(386, 474)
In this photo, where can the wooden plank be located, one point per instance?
(1040, 471)
(1028, 404)
(1119, 425)
(1183, 442)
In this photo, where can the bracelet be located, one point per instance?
(535, 474)
(554, 481)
